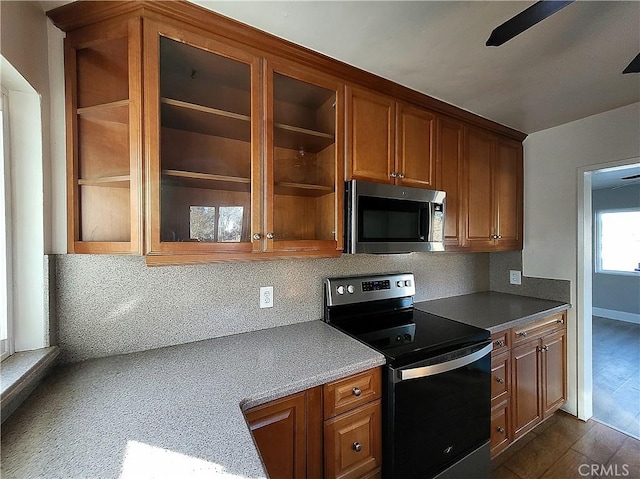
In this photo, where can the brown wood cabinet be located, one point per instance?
(388, 141)
(104, 143)
(331, 431)
(204, 139)
(450, 178)
(280, 430)
(529, 378)
(493, 191)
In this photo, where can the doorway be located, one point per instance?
(608, 351)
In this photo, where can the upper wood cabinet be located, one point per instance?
(231, 176)
(492, 192)
(104, 144)
(370, 136)
(202, 135)
(203, 139)
(388, 141)
(450, 178)
(304, 160)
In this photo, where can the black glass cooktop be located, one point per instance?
(411, 335)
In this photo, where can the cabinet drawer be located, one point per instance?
(353, 443)
(537, 329)
(500, 433)
(351, 392)
(500, 377)
(501, 341)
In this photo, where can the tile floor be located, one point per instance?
(565, 447)
(616, 374)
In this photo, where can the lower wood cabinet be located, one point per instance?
(529, 378)
(331, 431)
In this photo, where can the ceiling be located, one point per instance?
(565, 68)
(612, 177)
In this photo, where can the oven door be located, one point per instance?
(436, 415)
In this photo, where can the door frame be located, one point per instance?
(584, 287)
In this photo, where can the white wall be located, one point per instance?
(24, 43)
(554, 158)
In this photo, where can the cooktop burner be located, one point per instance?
(378, 311)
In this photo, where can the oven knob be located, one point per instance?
(398, 338)
(399, 284)
(340, 289)
(351, 289)
(407, 283)
(407, 337)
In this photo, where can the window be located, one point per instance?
(618, 241)
(6, 337)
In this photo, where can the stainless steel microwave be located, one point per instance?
(383, 218)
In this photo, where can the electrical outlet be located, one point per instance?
(266, 296)
(515, 277)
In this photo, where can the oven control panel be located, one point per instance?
(358, 289)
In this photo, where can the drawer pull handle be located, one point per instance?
(500, 380)
(560, 321)
(356, 391)
(500, 429)
(522, 334)
(357, 446)
(499, 343)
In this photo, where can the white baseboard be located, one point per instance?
(618, 315)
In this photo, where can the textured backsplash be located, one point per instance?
(109, 305)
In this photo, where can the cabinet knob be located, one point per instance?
(499, 343)
(357, 446)
(494, 236)
(257, 236)
(500, 380)
(270, 236)
(498, 236)
(545, 348)
(400, 175)
(393, 174)
(500, 429)
(560, 321)
(522, 334)
(356, 391)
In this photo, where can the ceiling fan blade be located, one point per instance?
(634, 66)
(632, 177)
(524, 20)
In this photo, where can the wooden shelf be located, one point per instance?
(192, 179)
(181, 115)
(295, 138)
(302, 189)
(117, 111)
(122, 181)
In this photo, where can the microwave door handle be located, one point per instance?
(432, 370)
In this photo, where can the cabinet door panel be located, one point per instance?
(415, 147)
(508, 193)
(370, 136)
(479, 148)
(352, 442)
(554, 371)
(526, 391)
(279, 431)
(449, 176)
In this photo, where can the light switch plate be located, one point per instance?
(266, 296)
(515, 277)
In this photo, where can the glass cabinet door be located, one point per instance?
(204, 153)
(305, 184)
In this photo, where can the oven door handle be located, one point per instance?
(440, 368)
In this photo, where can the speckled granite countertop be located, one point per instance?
(491, 310)
(171, 412)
